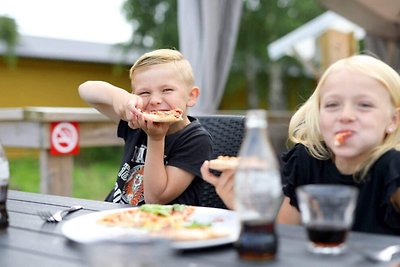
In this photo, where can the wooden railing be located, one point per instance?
(30, 128)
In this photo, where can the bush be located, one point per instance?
(94, 175)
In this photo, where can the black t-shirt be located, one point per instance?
(186, 149)
(374, 212)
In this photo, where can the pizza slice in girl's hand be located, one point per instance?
(172, 115)
(222, 163)
(340, 137)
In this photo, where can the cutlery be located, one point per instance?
(59, 215)
(383, 255)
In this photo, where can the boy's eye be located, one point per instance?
(144, 93)
(168, 90)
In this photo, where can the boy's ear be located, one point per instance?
(193, 95)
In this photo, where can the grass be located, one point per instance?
(94, 175)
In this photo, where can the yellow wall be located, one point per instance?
(41, 82)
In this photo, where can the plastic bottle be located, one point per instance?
(4, 178)
(258, 191)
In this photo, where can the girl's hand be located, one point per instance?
(224, 184)
(395, 200)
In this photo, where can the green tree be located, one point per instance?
(9, 37)
(154, 23)
(263, 21)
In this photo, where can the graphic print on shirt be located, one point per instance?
(133, 189)
(129, 186)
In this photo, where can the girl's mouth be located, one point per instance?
(340, 137)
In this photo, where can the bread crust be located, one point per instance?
(173, 115)
(223, 163)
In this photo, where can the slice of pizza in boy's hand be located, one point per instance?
(222, 163)
(172, 115)
(341, 137)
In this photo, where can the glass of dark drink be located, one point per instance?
(327, 213)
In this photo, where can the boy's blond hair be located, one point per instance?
(304, 125)
(163, 56)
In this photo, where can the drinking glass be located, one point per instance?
(327, 213)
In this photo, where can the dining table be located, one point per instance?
(29, 241)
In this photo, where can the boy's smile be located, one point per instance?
(162, 87)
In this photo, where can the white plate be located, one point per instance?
(84, 229)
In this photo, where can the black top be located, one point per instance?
(374, 212)
(186, 149)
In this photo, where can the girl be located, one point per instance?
(347, 133)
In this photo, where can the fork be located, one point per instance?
(383, 255)
(57, 216)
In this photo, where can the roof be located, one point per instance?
(380, 18)
(62, 49)
(303, 39)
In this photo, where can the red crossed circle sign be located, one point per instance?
(64, 138)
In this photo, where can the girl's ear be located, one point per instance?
(193, 95)
(395, 121)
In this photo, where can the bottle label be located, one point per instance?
(258, 194)
(259, 181)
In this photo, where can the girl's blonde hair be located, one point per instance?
(304, 125)
(163, 56)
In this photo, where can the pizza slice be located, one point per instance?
(222, 163)
(173, 115)
(341, 137)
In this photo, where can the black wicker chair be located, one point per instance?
(227, 132)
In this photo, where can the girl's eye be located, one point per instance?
(365, 104)
(168, 90)
(330, 105)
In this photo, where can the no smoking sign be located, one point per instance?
(64, 138)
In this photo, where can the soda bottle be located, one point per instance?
(4, 177)
(258, 191)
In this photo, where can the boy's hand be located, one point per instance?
(127, 106)
(154, 130)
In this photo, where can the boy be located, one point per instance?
(161, 161)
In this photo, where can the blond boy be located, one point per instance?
(161, 161)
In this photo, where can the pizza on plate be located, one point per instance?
(173, 115)
(222, 163)
(169, 221)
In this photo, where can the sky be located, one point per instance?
(99, 21)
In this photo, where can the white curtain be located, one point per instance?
(207, 38)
